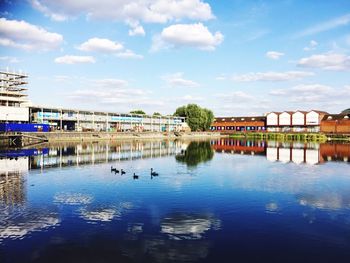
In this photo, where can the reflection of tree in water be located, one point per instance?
(196, 153)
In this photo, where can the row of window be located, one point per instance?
(238, 128)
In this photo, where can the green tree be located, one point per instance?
(138, 112)
(181, 111)
(209, 118)
(157, 114)
(197, 118)
(347, 111)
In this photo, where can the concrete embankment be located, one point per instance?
(109, 136)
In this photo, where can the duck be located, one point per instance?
(113, 169)
(122, 171)
(153, 173)
(135, 176)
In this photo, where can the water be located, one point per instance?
(213, 201)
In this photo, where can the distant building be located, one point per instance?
(238, 124)
(294, 121)
(13, 97)
(16, 108)
(336, 123)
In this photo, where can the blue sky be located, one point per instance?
(235, 57)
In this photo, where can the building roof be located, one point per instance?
(275, 112)
(319, 111)
(331, 117)
(241, 118)
(289, 112)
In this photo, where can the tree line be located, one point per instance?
(197, 118)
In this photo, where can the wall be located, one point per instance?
(272, 119)
(335, 126)
(285, 119)
(298, 118)
(312, 118)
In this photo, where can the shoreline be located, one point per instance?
(25, 139)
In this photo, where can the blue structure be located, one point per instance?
(24, 127)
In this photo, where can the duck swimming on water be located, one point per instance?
(153, 173)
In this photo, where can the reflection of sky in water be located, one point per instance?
(73, 198)
(219, 206)
(18, 223)
(188, 226)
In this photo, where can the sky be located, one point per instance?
(235, 57)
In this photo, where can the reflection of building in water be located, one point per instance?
(12, 188)
(239, 146)
(296, 152)
(310, 153)
(62, 155)
(332, 152)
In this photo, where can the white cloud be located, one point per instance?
(235, 96)
(272, 76)
(102, 45)
(221, 77)
(110, 83)
(68, 59)
(274, 55)
(327, 61)
(256, 35)
(177, 80)
(312, 46)
(314, 96)
(9, 59)
(20, 34)
(325, 26)
(147, 11)
(235, 103)
(128, 54)
(47, 12)
(114, 94)
(136, 30)
(302, 90)
(190, 98)
(192, 35)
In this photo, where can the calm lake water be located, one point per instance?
(213, 201)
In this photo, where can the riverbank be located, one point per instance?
(314, 137)
(111, 136)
